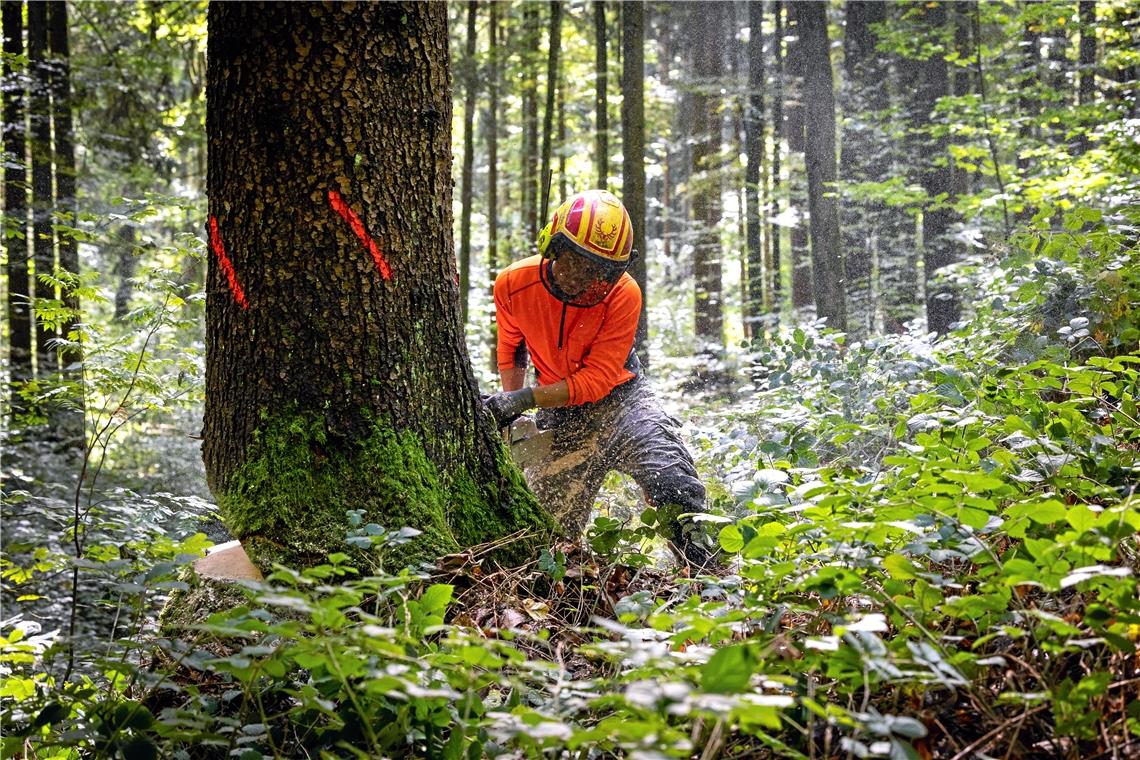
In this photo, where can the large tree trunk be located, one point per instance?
(469, 90)
(43, 239)
(753, 305)
(16, 208)
(633, 151)
(337, 376)
(708, 55)
(553, 48)
(819, 114)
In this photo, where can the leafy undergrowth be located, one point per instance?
(929, 551)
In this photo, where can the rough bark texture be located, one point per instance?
(601, 114)
(633, 151)
(43, 240)
(469, 90)
(753, 305)
(16, 208)
(819, 113)
(333, 388)
(797, 181)
(555, 38)
(708, 67)
(936, 177)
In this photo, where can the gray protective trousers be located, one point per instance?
(627, 431)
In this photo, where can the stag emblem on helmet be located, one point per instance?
(604, 233)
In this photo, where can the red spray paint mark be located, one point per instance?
(357, 225)
(227, 265)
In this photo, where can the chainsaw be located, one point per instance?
(529, 445)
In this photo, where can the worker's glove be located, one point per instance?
(696, 546)
(506, 406)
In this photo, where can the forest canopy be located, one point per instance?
(887, 253)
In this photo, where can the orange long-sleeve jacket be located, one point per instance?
(588, 347)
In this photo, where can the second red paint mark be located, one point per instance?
(354, 221)
(226, 264)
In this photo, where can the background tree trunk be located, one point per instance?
(819, 114)
(775, 233)
(601, 114)
(1086, 87)
(70, 418)
(470, 89)
(797, 182)
(708, 59)
(633, 152)
(753, 306)
(552, 69)
(936, 176)
(493, 83)
(16, 207)
(337, 376)
(43, 239)
(530, 124)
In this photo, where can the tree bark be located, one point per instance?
(530, 122)
(337, 376)
(863, 155)
(43, 239)
(819, 113)
(708, 55)
(775, 233)
(601, 113)
(470, 89)
(633, 152)
(493, 83)
(69, 417)
(555, 37)
(16, 208)
(797, 186)
(753, 306)
(1086, 86)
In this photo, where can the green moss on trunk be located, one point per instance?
(288, 501)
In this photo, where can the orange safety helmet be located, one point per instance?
(594, 227)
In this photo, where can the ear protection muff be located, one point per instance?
(544, 240)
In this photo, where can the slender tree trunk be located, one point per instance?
(337, 376)
(1029, 107)
(863, 153)
(562, 188)
(552, 70)
(126, 261)
(819, 113)
(633, 151)
(530, 122)
(936, 177)
(1086, 87)
(16, 207)
(707, 26)
(493, 82)
(754, 127)
(470, 89)
(70, 420)
(797, 185)
(775, 232)
(43, 239)
(601, 113)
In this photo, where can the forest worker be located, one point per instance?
(574, 309)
